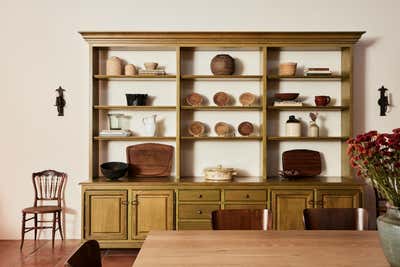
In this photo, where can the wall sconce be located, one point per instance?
(60, 101)
(383, 101)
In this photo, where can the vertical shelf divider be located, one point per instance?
(346, 97)
(264, 112)
(178, 115)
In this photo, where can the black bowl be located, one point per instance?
(136, 99)
(114, 170)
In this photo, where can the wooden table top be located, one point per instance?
(261, 248)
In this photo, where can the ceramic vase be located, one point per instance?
(389, 234)
(130, 70)
(313, 129)
(293, 127)
(150, 125)
(114, 66)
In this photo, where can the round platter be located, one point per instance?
(196, 128)
(247, 99)
(246, 128)
(222, 129)
(221, 99)
(194, 99)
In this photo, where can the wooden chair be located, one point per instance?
(336, 219)
(48, 186)
(241, 219)
(87, 255)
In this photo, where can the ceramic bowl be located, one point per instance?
(150, 65)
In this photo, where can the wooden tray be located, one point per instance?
(301, 162)
(149, 159)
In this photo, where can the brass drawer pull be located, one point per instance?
(134, 202)
(124, 202)
(199, 212)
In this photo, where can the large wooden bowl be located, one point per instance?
(286, 96)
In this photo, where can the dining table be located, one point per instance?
(261, 248)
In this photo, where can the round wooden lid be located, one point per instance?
(222, 129)
(196, 128)
(247, 99)
(221, 99)
(194, 99)
(246, 128)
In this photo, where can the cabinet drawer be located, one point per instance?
(245, 195)
(199, 195)
(245, 206)
(192, 211)
(195, 225)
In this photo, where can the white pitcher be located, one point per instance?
(150, 125)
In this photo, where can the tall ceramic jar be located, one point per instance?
(293, 127)
(313, 129)
(130, 70)
(389, 233)
(114, 66)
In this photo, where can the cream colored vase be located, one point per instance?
(130, 70)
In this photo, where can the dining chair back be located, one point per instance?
(336, 219)
(48, 186)
(88, 254)
(241, 219)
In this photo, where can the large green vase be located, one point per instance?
(389, 233)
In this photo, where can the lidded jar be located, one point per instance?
(293, 127)
(313, 129)
(114, 66)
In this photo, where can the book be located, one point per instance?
(152, 72)
(115, 133)
(288, 104)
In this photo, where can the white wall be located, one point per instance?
(41, 49)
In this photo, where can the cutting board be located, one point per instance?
(149, 160)
(302, 161)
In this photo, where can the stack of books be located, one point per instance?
(291, 103)
(317, 72)
(152, 72)
(115, 133)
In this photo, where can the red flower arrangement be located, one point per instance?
(377, 159)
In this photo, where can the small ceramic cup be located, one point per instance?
(322, 100)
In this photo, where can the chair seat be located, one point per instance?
(41, 209)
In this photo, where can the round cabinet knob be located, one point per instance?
(247, 196)
(199, 212)
(200, 196)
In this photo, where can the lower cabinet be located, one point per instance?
(343, 198)
(105, 214)
(287, 208)
(151, 210)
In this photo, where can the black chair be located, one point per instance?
(241, 219)
(87, 255)
(336, 219)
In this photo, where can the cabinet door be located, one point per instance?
(339, 198)
(106, 214)
(151, 210)
(288, 206)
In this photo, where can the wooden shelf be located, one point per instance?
(226, 108)
(135, 77)
(135, 138)
(328, 108)
(216, 138)
(135, 107)
(221, 77)
(307, 138)
(306, 78)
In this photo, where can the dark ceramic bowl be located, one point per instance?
(114, 170)
(136, 99)
(286, 96)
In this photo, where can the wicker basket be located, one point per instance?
(287, 69)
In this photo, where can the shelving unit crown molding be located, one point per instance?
(108, 38)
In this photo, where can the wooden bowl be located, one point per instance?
(150, 65)
(246, 128)
(196, 128)
(221, 99)
(247, 99)
(222, 129)
(114, 170)
(286, 96)
(194, 99)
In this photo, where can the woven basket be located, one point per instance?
(287, 69)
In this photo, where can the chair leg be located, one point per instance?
(59, 225)
(54, 229)
(23, 230)
(36, 221)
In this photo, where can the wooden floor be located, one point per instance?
(41, 254)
